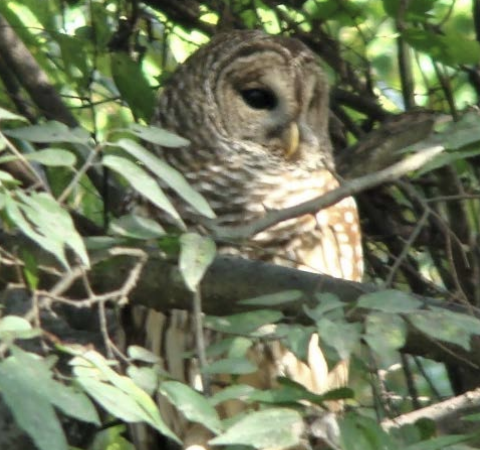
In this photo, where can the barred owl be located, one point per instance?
(255, 110)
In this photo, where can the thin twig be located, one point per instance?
(200, 339)
(407, 247)
(80, 173)
(451, 408)
(26, 163)
(347, 189)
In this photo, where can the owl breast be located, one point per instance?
(242, 188)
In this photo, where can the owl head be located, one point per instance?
(249, 92)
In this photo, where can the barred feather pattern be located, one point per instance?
(237, 160)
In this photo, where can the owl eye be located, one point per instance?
(259, 98)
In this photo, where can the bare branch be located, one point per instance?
(446, 415)
(347, 189)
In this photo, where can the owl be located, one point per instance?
(255, 109)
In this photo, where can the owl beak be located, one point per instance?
(291, 139)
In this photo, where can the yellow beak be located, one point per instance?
(291, 139)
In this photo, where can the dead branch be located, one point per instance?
(447, 415)
(347, 189)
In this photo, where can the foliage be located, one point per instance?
(106, 58)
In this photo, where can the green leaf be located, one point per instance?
(240, 392)
(414, 11)
(196, 254)
(363, 433)
(446, 325)
(279, 298)
(138, 353)
(7, 115)
(133, 85)
(158, 136)
(56, 217)
(14, 323)
(142, 183)
(385, 334)
(342, 336)
(74, 58)
(69, 400)
(6, 178)
(110, 438)
(440, 443)
(18, 212)
(327, 302)
(271, 428)
(296, 338)
(15, 327)
(292, 392)
(231, 366)
(20, 378)
(31, 410)
(194, 406)
(54, 157)
(137, 227)
(145, 378)
(50, 132)
(170, 176)
(389, 301)
(118, 394)
(114, 400)
(243, 323)
(30, 269)
(450, 47)
(46, 213)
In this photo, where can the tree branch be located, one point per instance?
(447, 415)
(347, 189)
(231, 279)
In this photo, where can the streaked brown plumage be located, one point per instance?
(255, 110)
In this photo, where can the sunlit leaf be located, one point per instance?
(118, 394)
(196, 254)
(7, 115)
(137, 227)
(15, 327)
(53, 157)
(170, 176)
(50, 132)
(53, 216)
(7, 179)
(142, 354)
(15, 211)
(145, 378)
(20, 378)
(271, 428)
(194, 406)
(142, 183)
(32, 411)
(158, 136)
